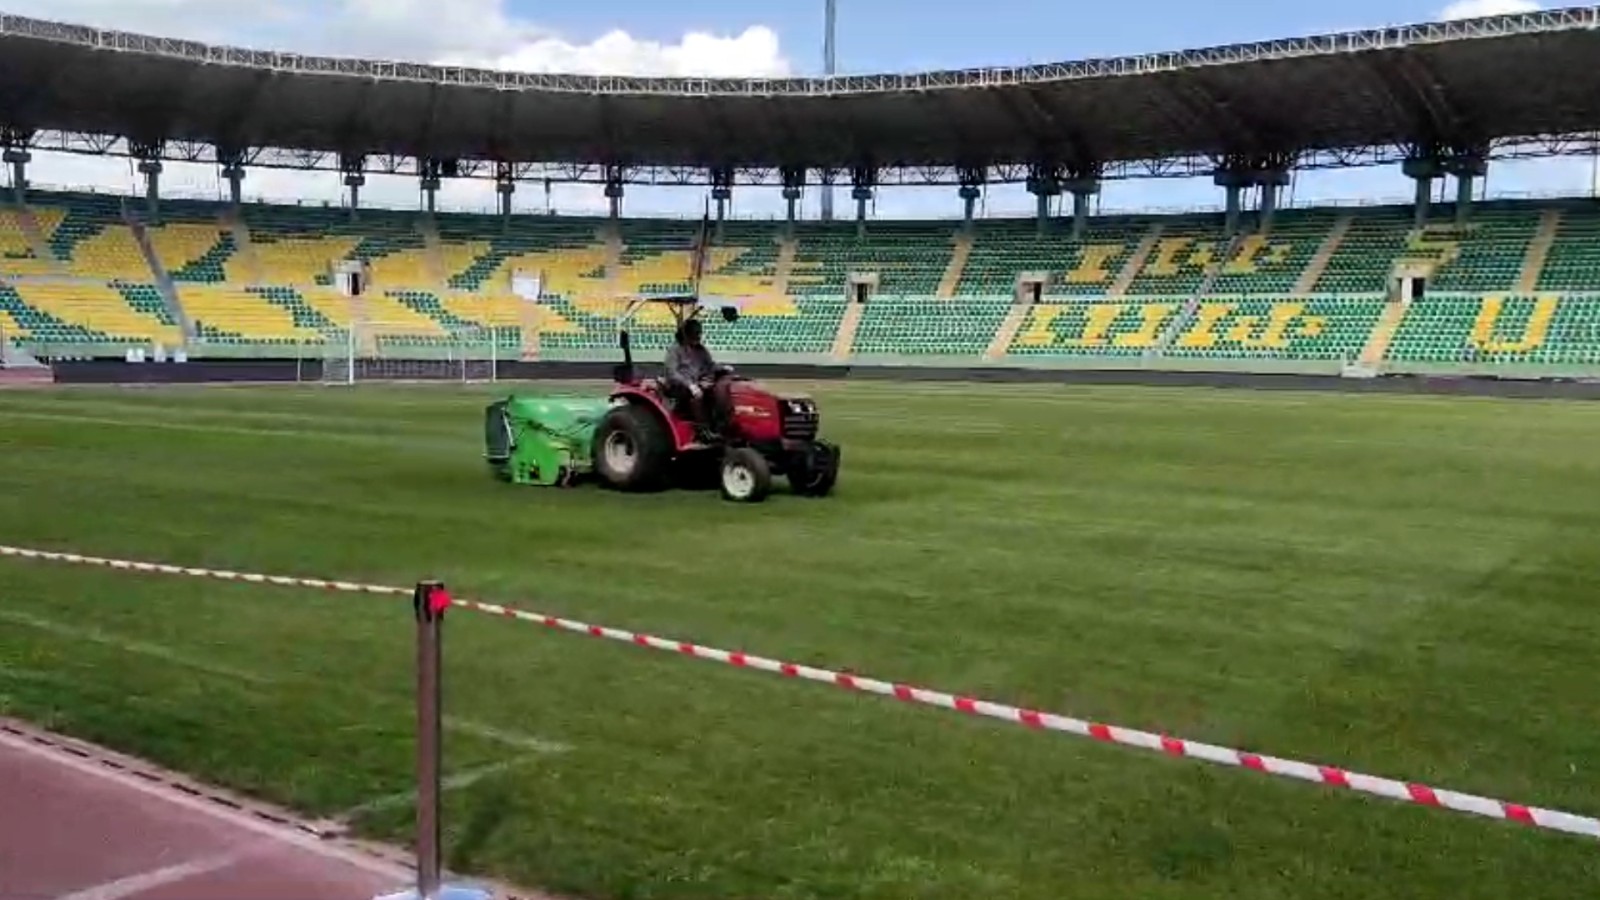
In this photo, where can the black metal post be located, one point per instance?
(430, 602)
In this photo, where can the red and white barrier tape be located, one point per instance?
(1404, 791)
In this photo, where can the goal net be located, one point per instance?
(370, 352)
(401, 335)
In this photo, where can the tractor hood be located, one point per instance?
(750, 387)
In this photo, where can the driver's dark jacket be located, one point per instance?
(689, 363)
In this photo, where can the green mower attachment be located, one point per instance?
(541, 440)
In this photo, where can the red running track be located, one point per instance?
(75, 828)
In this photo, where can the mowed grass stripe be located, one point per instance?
(1173, 560)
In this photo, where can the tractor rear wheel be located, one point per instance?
(632, 449)
(746, 477)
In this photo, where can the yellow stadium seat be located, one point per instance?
(237, 311)
(402, 269)
(182, 245)
(297, 261)
(507, 310)
(380, 314)
(16, 252)
(96, 307)
(111, 254)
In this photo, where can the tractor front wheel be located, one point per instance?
(815, 470)
(632, 449)
(746, 477)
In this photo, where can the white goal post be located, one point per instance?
(386, 341)
(370, 352)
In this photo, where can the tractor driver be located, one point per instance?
(690, 368)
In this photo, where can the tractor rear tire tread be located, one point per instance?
(652, 444)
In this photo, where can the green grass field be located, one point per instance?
(1405, 586)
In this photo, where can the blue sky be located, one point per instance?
(906, 35)
(874, 36)
(897, 35)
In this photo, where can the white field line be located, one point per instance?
(463, 779)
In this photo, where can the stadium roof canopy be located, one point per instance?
(1321, 100)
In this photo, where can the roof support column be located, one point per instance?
(431, 181)
(1272, 182)
(19, 160)
(1083, 183)
(827, 178)
(235, 176)
(1423, 167)
(794, 180)
(1044, 182)
(972, 180)
(232, 160)
(862, 180)
(614, 190)
(721, 192)
(505, 184)
(1239, 173)
(151, 170)
(1466, 165)
(149, 156)
(353, 166)
(1233, 179)
(15, 141)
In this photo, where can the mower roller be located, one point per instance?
(640, 437)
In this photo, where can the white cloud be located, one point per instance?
(1471, 9)
(475, 32)
(752, 53)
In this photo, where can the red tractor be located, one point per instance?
(648, 437)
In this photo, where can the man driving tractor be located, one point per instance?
(692, 371)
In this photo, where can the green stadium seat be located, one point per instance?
(908, 257)
(929, 326)
(1562, 329)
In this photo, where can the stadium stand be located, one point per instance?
(569, 252)
(20, 253)
(1186, 251)
(1364, 259)
(1484, 255)
(1088, 328)
(917, 325)
(908, 258)
(1274, 260)
(92, 238)
(1572, 262)
(1508, 285)
(1504, 283)
(1003, 251)
(1501, 329)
